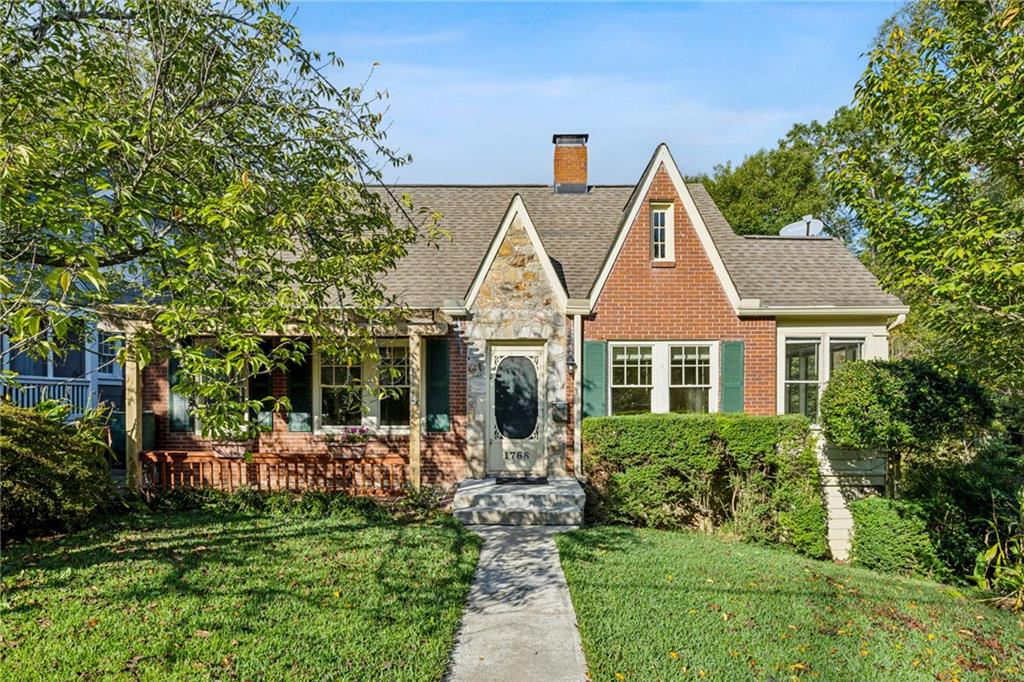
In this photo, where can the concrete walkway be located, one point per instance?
(519, 624)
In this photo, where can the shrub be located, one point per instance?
(53, 475)
(754, 476)
(1001, 567)
(900, 406)
(890, 536)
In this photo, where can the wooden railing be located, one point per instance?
(363, 477)
(33, 390)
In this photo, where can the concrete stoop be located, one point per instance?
(559, 502)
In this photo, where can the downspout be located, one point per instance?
(577, 394)
(900, 319)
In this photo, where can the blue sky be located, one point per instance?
(476, 90)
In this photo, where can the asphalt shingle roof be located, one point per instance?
(578, 230)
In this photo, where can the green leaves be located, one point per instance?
(936, 178)
(189, 169)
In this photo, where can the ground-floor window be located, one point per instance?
(341, 390)
(632, 379)
(805, 374)
(663, 376)
(393, 375)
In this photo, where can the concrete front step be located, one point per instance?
(556, 503)
(567, 515)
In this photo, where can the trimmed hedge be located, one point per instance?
(53, 475)
(750, 475)
(892, 536)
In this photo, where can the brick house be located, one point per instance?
(555, 302)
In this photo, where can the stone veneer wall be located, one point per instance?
(515, 302)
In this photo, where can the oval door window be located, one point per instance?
(515, 397)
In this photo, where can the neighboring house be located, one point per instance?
(555, 302)
(86, 376)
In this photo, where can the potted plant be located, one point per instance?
(349, 443)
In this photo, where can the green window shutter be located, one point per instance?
(595, 370)
(436, 385)
(732, 376)
(300, 395)
(260, 387)
(177, 407)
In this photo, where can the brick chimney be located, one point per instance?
(570, 163)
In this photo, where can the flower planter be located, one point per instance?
(346, 450)
(232, 449)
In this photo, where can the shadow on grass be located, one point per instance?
(152, 558)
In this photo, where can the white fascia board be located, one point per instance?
(578, 306)
(662, 156)
(517, 208)
(824, 311)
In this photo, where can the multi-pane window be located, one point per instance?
(844, 350)
(341, 391)
(802, 377)
(659, 234)
(689, 378)
(632, 379)
(106, 353)
(393, 375)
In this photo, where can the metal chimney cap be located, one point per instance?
(570, 138)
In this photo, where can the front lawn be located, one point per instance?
(199, 595)
(657, 605)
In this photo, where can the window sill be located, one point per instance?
(663, 263)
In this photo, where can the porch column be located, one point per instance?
(132, 415)
(415, 444)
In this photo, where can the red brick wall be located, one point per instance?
(570, 164)
(645, 301)
(443, 459)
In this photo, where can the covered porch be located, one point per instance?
(308, 447)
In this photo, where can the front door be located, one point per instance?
(516, 438)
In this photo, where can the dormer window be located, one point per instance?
(662, 233)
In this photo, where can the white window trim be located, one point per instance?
(371, 399)
(661, 372)
(670, 231)
(874, 346)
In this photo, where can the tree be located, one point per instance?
(938, 181)
(774, 187)
(189, 170)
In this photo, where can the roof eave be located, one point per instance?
(823, 311)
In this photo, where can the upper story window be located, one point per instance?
(662, 233)
(806, 375)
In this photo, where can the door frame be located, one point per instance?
(540, 467)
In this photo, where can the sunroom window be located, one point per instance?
(844, 350)
(632, 379)
(802, 377)
(341, 391)
(689, 378)
(393, 375)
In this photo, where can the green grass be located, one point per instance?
(199, 595)
(656, 605)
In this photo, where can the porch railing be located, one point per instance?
(30, 392)
(166, 470)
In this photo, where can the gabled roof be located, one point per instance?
(517, 210)
(579, 233)
(576, 230)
